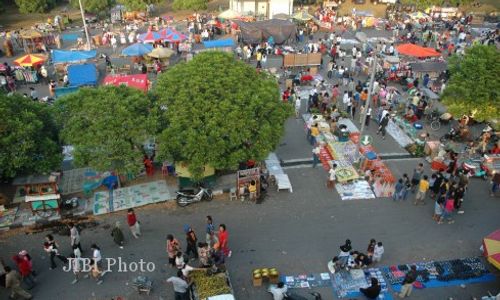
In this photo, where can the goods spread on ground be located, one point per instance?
(210, 285)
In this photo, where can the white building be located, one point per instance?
(266, 8)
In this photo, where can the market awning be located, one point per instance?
(161, 52)
(30, 34)
(175, 36)
(229, 14)
(85, 74)
(491, 245)
(219, 43)
(416, 51)
(138, 81)
(137, 49)
(66, 56)
(149, 37)
(29, 60)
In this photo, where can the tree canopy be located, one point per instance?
(218, 111)
(107, 127)
(93, 6)
(28, 138)
(139, 5)
(423, 4)
(474, 85)
(190, 4)
(34, 6)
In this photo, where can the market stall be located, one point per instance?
(245, 178)
(82, 75)
(226, 45)
(41, 192)
(416, 51)
(256, 32)
(138, 81)
(34, 41)
(433, 68)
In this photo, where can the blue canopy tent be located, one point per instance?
(85, 74)
(66, 56)
(219, 43)
(137, 49)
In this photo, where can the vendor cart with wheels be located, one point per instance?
(207, 286)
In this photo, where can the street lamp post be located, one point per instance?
(84, 24)
(370, 92)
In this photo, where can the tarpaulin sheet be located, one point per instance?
(416, 50)
(85, 74)
(138, 81)
(256, 32)
(66, 56)
(219, 43)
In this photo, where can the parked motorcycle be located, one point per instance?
(186, 197)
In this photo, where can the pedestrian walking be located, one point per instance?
(449, 206)
(370, 250)
(423, 187)
(406, 186)
(173, 246)
(191, 241)
(52, 248)
(76, 267)
(408, 281)
(438, 208)
(181, 287)
(223, 240)
(332, 176)
(398, 190)
(117, 235)
(210, 237)
(95, 272)
(13, 282)
(96, 255)
(495, 183)
(133, 223)
(378, 251)
(417, 175)
(203, 254)
(383, 125)
(315, 153)
(25, 271)
(298, 103)
(368, 116)
(74, 236)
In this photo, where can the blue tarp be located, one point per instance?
(219, 43)
(137, 49)
(65, 90)
(85, 74)
(65, 56)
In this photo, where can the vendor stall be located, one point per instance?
(41, 192)
(226, 45)
(34, 41)
(138, 81)
(256, 32)
(67, 56)
(82, 75)
(433, 68)
(246, 178)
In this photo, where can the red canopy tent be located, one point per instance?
(138, 81)
(416, 50)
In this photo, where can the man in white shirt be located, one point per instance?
(279, 291)
(298, 103)
(332, 176)
(180, 286)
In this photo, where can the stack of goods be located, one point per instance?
(384, 181)
(210, 285)
(270, 274)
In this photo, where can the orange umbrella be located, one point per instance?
(491, 244)
(29, 60)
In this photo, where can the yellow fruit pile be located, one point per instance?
(209, 286)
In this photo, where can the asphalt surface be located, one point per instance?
(295, 232)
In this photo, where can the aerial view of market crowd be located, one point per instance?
(249, 149)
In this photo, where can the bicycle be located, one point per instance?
(435, 119)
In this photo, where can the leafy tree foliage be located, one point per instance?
(190, 4)
(218, 112)
(474, 85)
(423, 4)
(35, 6)
(137, 5)
(28, 138)
(107, 127)
(93, 6)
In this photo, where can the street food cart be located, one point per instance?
(41, 192)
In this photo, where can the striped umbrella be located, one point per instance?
(29, 60)
(149, 37)
(175, 36)
(164, 32)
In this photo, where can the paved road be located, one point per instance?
(294, 232)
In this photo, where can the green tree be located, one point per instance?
(35, 6)
(190, 4)
(423, 4)
(93, 6)
(107, 126)
(474, 85)
(28, 138)
(218, 112)
(137, 5)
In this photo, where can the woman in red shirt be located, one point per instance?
(223, 238)
(25, 270)
(133, 224)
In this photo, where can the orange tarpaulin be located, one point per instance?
(416, 50)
